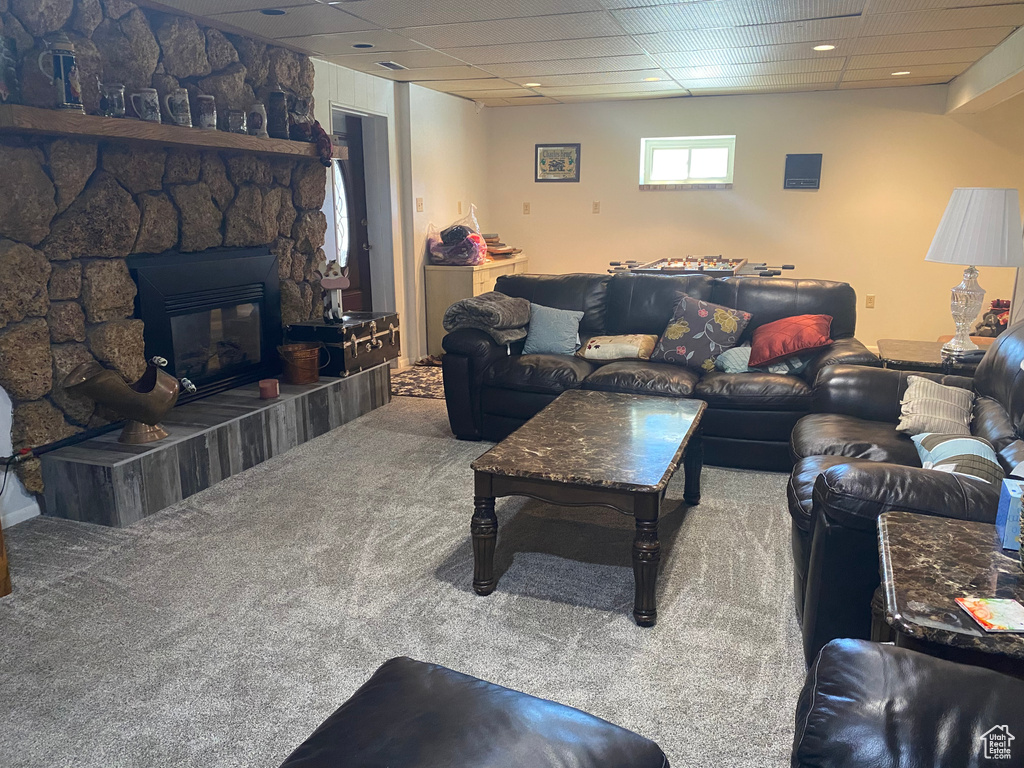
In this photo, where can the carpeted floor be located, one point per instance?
(223, 630)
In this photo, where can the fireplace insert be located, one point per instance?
(214, 315)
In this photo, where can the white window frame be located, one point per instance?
(648, 146)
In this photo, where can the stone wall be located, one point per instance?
(72, 210)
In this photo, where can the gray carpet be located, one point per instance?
(223, 630)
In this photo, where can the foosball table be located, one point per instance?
(714, 266)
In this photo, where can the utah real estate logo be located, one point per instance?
(996, 742)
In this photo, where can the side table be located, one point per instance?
(926, 562)
(923, 356)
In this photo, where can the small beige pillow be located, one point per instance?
(604, 349)
(928, 406)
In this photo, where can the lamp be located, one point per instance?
(980, 228)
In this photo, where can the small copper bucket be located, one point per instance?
(301, 362)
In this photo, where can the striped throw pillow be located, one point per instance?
(928, 406)
(971, 456)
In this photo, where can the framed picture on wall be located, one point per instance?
(557, 162)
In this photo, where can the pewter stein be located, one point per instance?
(176, 104)
(62, 72)
(111, 99)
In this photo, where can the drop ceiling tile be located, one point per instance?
(571, 26)
(530, 101)
(730, 13)
(414, 13)
(935, 21)
(904, 81)
(929, 41)
(210, 7)
(795, 66)
(596, 78)
(523, 69)
(297, 21)
(902, 6)
(422, 59)
(585, 90)
(768, 81)
(473, 95)
(764, 34)
(465, 72)
(487, 84)
(503, 54)
(622, 97)
(494, 102)
(752, 54)
(918, 58)
(947, 71)
(744, 90)
(384, 43)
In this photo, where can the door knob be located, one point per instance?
(366, 246)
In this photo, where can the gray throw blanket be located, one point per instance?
(504, 317)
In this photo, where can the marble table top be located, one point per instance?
(601, 439)
(927, 562)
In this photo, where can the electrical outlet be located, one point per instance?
(419, 205)
(460, 206)
(869, 301)
(597, 206)
(526, 208)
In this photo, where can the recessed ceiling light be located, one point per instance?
(824, 47)
(272, 12)
(362, 45)
(897, 74)
(531, 85)
(651, 79)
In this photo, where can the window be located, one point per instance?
(686, 161)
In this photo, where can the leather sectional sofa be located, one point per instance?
(491, 390)
(851, 465)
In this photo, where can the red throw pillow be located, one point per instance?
(789, 336)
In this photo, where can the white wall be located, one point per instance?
(891, 159)
(16, 504)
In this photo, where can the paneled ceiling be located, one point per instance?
(512, 52)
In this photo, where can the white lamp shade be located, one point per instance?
(981, 227)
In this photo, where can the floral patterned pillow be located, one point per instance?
(699, 332)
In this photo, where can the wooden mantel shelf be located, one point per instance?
(15, 118)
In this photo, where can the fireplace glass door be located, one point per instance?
(215, 343)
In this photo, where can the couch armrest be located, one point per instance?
(867, 704)
(469, 352)
(854, 495)
(471, 342)
(846, 351)
(869, 393)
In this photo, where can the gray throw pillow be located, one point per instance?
(928, 406)
(552, 331)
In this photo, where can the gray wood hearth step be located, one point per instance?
(109, 483)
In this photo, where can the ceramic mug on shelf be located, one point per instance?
(236, 121)
(176, 104)
(258, 120)
(206, 112)
(146, 104)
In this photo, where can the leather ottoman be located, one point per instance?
(416, 715)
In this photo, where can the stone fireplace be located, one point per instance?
(75, 211)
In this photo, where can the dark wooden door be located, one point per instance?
(350, 217)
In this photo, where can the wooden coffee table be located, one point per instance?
(594, 449)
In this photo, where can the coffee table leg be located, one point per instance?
(693, 463)
(646, 556)
(484, 529)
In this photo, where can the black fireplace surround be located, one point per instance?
(214, 315)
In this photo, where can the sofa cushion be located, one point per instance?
(789, 336)
(755, 391)
(928, 406)
(582, 292)
(959, 454)
(639, 303)
(416, 715)
(552, 331)
(642, 377)
(832, 434)
(698, 333)
(538, 373)
(800, 491)
(607, 349)
(772, 298)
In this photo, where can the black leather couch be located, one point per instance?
(492, 390)
(866, 705)
(851, 465)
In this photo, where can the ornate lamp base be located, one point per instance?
(965, 302)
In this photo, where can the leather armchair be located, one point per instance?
(470, 353)
(866, 705)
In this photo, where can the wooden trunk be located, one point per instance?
(359, 341)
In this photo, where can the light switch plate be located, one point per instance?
(526, 208)
(597, 206)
